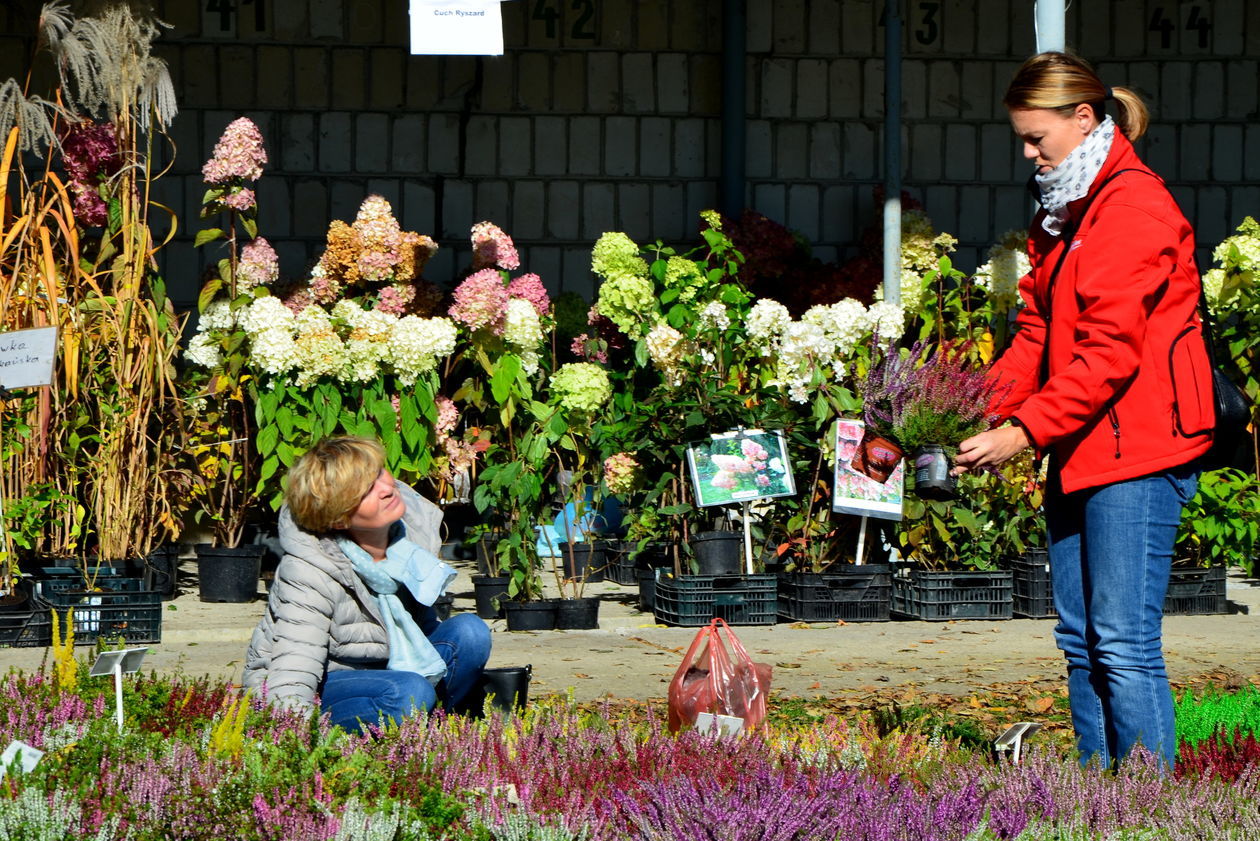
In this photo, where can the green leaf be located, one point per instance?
(250, 225)
(268, 437)
(207, 235)
(269, 467)
(505, 374)
(208, 293)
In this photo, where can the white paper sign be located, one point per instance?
(26, 357)
(26, 757)
(456, 27)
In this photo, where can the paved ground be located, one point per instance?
(631, 657)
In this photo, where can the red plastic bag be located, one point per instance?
(713, 680)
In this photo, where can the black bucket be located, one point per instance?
(577, 614)
(229, 574)
(530, 616)
(507, 688)
(718, 552)
(647, 589)
(488, 592)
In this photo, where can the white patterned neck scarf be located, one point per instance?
(1071, 179)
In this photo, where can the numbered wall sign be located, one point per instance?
(456, 27)
(26, 357)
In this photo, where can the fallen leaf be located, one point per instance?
(815, 685)
(787, 665)
(1039, 705)
(579, 674)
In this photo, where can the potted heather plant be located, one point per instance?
(925, 403)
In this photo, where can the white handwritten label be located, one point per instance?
(26, 357)
(456, 27)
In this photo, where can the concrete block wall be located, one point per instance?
(604, 114)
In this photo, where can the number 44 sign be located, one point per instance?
(456, 27)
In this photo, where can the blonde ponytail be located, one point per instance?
(1061, 81)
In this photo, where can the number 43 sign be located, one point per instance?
(456, 27)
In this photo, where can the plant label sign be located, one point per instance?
(26, 357)
(20, 754)
(740, 466)
(854, 491)
(456, 27)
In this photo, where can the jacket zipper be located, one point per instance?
(1115, 427)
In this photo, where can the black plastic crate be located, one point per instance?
(1032, 592)
(938, 596)
(1193, 592)
(850, 593)
(620, 566)
(30, 627)
(692, 600)
(121, 608)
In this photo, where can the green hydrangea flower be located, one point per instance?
(616, 254)
(581, 387)
(628, 301)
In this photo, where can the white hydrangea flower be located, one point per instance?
(1213, 283)
(844, 322)
(348, 311)
(274, 351)
(1248, 252)
(1008, 262)
(888, 321)
(766, 321)
(313, 319)
(530, 362)
(665, 346)
(204, 351)
(714, 315)
(268, 313)
(218, 316)
(321, 353)
(364, 358)
(416, 344)
(521, 327)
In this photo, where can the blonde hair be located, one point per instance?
(329, 481)
(1061, 81)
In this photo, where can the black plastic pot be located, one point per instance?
(487, 544)
(229, 574)
(487, 591)
(931, 473)
(507, 688)
(161, 568)
(530, 616)
(584, 561)
(443, 607)
(647, 589)
(718, 552)
(577, 614)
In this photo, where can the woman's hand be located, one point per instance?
(990, 448)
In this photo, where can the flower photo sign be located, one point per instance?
(739, 466)
(857, 493)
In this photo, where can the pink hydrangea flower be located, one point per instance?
(241, 199)
(763, 481)
(238, 154)
(481, 301)
(753, 451)
(90, 150)
(492, 247)
(259, 265)
(325, 290)
(89, 207)
(447, 416)
(395, 299)
(530, 287)
(298, 300)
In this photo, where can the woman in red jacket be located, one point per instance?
(1110, 377)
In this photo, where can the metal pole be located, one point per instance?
(1051, 25)
(734, 132)
(892, 151)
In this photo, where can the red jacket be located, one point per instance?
(1129, 388)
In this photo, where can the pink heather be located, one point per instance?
(492, 247)
(530, 287)
(238, 154)
(481, 301)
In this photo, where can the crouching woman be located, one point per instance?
(350, 618)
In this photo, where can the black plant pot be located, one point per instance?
(931, 473)
(229, 574)
(443, 607)
(647, 589)
(487, 545)
(488, 593)
(507, 687)
(583, 561)
(530, 616)
(577, 614)
(161, 569)
(718, 552)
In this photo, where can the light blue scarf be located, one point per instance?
(426, 577)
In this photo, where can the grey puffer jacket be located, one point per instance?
(321, 617)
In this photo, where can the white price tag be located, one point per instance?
(26, 357)
(456, 27)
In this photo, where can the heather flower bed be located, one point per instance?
(195, 762)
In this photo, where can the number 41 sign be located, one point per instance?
(456, 27)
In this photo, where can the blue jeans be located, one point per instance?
(1110, 556)
(353, 697)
